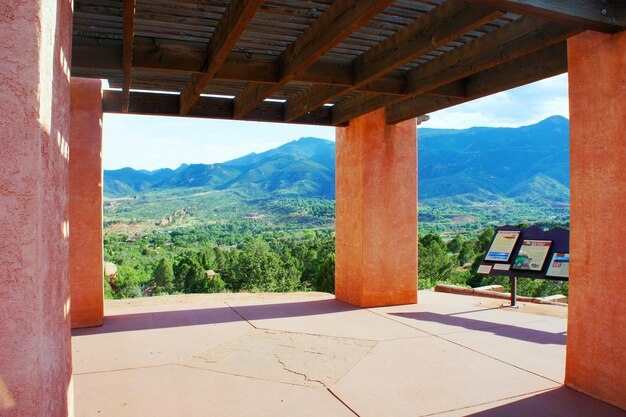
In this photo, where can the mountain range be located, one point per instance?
(528, 163)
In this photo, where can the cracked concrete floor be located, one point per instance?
(306, 354)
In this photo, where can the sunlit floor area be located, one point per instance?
(306, 354)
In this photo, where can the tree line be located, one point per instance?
(235, 261)
(247, 257)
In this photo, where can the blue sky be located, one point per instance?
(149, 142)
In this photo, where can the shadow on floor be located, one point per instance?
(214, 315)
(560, 402)
(504, 330)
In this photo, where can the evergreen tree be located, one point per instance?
(466, 252)
(455, 244)
(484, 240)
(435, 263)
(164, 276)
(325, 276)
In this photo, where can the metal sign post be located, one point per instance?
(513, 281)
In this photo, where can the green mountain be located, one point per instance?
(528, 164)
(302, 168)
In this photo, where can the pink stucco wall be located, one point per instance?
(596, 334)
(85, 206)
(376, 225)
(35, 365)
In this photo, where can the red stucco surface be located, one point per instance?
(85, 205)
(596, 339)
(376, 226)
(35, 366)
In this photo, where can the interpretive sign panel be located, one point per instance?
(559, 265)
(532, 255)
(502, 246)
(484, 269)
(529, 252)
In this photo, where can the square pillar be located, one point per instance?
(376, 220)
(85, 185)
(596, 336)
(35, 351)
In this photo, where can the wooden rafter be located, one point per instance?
(127, 50)
(205, 107)
(165, 56)
(232, 24)
(409, 57)
(438, 27)
(337, 23)
(603, 16)
(516, 39)
(538, 65)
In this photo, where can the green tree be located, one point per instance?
(483, 240)
(216, 285)
(455, 244)
(189, 275)
(127, 283)
(164, 276)
(466, 252)
(435, 263)
(325, 275)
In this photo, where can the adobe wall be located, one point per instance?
(596, 337)
(376, 214)
(85, 204)
(35, 365)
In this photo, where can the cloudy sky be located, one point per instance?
(149, 142)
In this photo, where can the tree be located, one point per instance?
(189, 275)
(435, 263)
(325, 275)
(455, 244)
(466, 252)
(164, 276)
(216, 285)
(127, 283)
(483, 240)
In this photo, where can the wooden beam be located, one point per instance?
(90, 55)
(514, 40)
(438, 27)
(127, 50)
(363, 103)
(206, 107)
(359, 104)
(235, 19)
(336, 24)
(599, 15)
(536, 66)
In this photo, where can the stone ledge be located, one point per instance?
(491, 293)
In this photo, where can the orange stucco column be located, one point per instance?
(35, 354)
(596, 338)
(376, 226)
(85, 185)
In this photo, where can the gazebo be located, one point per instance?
(367, 67)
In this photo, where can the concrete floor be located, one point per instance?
(307, 354)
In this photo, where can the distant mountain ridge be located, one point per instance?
(529, 163)
(305, 167)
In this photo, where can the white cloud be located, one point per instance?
(518, 107)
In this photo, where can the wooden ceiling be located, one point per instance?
(322, 62)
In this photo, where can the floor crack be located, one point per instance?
(302, 374)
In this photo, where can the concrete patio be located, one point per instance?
(306, 354)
